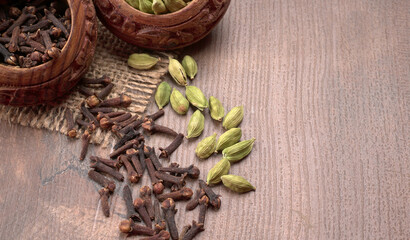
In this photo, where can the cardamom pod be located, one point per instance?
(190, 66)
(177, 72)
(158, 7)
(196, 97)
(162, 95)
(216, 109)
(228, 139)
(146, 6)
(220, 169)
(142, 61)
(196, 124)
(174, 5)
(134, 3)
(178, 102)
(206, 147)
(233, 118)
(238, 151)
(237, 183)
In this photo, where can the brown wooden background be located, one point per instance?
(325, 87)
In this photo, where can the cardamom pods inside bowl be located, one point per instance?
(161, 24)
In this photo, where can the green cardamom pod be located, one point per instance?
(228, 139)
(177, 72)
(134, 3)
(237, 183)
(178, 102)
(142, 61)
(174, 5)
(238, 151)
(158, 7)
(206, 147)
(233, 118)
(146, 6)
(216, 109)
(162, 95)
(220, 169)
(196, 97)
(190, 66)
(196, 124)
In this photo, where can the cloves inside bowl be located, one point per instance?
(161, 32)
(54, 77)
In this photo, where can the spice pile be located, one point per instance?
(34, 34)
(158, 6)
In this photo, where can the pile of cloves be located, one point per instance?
(33, 34)
(132, 152)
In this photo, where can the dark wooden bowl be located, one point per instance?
(161, 32)
(53, 79)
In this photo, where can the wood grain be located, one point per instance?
(325, 87)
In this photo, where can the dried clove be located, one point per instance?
(100, 179)
(105, 91)
(191, 205)
(166, 152)
(168, 207)
(183, 232)
(6, 24)
(89, 115)
(105, 80)
(20, 20)
(127, 137)
(90, 126)
(56, 22)
(43, 23)
(183, 194)
(162, 235)
(130, 227)
(139, 205)
(150, 153)
(134, 125)
(124, 148)
(104, 195)
(203, 206)
(100, 167)
(153, 128)
(154, 116)
(85, 141)
(14, 12)
(195, 229)
(85, 91)
(14, 40)
(145, 193)
(92, 101)
(132, 154)
(141, 155)
(160, 223)
(127, 196)
(110, 115)
(171, 179)
(101, 110)
(214, 199)
(192, 171)
(158, 186)
(121, 101)
(111, 163)
(71, 131)
(7, 56)
(133, 176)
(51, 51)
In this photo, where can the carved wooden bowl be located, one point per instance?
(161, 32)
(54, 79)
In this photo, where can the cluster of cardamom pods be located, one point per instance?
(233, 150)
(158, 6)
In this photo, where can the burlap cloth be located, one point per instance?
(110, 58)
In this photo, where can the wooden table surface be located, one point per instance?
(325, 88)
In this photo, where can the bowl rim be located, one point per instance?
(164, 20)
(24, 71)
